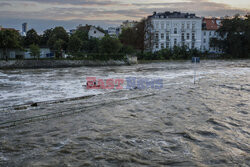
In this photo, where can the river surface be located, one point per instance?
(181, 124)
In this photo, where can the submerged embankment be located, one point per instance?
(181, 124)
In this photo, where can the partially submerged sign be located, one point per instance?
(195, 59)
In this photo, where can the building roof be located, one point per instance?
(211, 23)
(2, 29)
(174, 14)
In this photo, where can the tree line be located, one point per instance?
(234, 41)
(78, 44)
(234, 38)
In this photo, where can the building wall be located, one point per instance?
(18, 54)
(94, 33)
(169, 32)
(206, 38)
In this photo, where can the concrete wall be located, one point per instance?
(59, 63)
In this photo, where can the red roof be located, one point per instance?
(211, 23)
(9, 29)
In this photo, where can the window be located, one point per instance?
(162, 35)
(162, 26)
(94, 32)
(193, 36)
(157, 25)
(205, 33)
(175, 42)
(187, 36)
(183, 26)
(167, 45)
(204, 40)
(167, 36)
(162, 45)
(182, 36)
(210, 33)
(193, 25)
(193, 45)
(188, 25)
(156, 45)
(175, 30)
(156, 35)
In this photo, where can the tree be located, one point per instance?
(75, 44)
(9, 39)
(139, 37)
(234, 37)
(92, 45)
(35, 51)
(31, 38)
(58, 47)
(45, 37)
(82, 32)
(58, 40)
(110, 45)
(128, 37)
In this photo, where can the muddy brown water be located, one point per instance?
(206, 124)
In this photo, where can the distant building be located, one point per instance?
(171, 29)
(13, 29)
(114, 31)
(20, 54)
(24, 29)
(72, 31)
(129, 24)
(209, 28)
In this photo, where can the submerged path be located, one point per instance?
(183, 124)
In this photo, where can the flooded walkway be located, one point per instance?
(182, 124)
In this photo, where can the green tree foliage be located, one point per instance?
(35, 51)
(110, 45)
(9, 39)
(58, 40)
(45, 37)
(75, 44)
(134, 36)
(31, 38)
(82, 32)
(59, 47)
(176, 53)
(234, 37)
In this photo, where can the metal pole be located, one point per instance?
(195, 69)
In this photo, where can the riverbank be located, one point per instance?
(26, 64)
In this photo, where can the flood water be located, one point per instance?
(182, 124)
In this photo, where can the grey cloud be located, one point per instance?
(74, 2)
(4, 4)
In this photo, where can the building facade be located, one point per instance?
(171, 29)
(24, 29)
(95, 33)
(114, 31)
(209, 28)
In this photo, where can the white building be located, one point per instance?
(209, 27)
(24, 29)
(114, 31)
(128, 24)
(20, 54)
(95, 33)
(174, 29)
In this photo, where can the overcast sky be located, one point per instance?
(44, 14)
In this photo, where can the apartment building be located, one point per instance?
(171, 29)
(209, 28)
